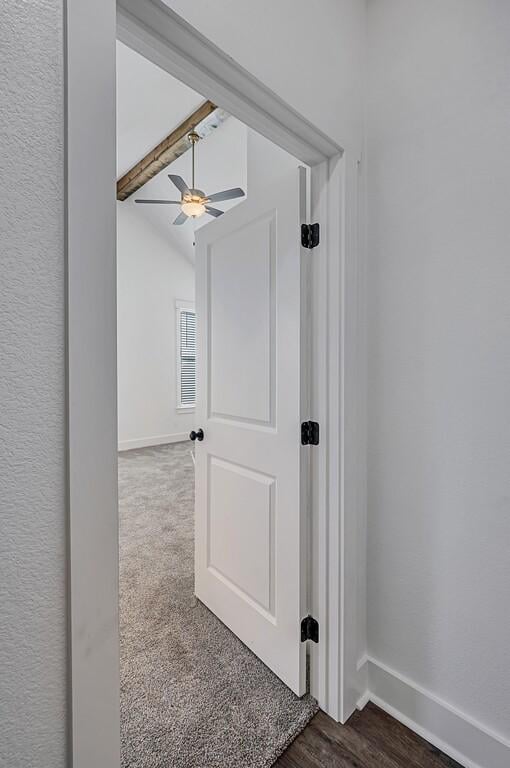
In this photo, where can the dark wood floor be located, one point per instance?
(370, 739)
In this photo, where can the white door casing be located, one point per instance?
(249, 524)
(161, 35)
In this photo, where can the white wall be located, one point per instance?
(439, 343)
(322, 77)
(151, 275)
(266, 163)
(33, 719)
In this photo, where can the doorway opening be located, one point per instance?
(211, 343)
(162, 37)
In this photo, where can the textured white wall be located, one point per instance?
(439, 362)
(151, 275)
(32, 427)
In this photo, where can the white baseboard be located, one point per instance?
(363, 700)
(447, 728)
(146, 442)
(362, 682)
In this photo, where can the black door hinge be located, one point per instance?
(310, 629)
(309, 433)
(310, 235)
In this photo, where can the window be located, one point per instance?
(186, 355)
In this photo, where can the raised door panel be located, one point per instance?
(241, 532)
(242, 351)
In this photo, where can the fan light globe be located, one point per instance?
(193, 208)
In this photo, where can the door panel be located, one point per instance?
(242, 504)
(243, 289)
(248, 527)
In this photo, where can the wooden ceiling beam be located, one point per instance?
(203, 120)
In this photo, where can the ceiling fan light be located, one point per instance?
(193, 208)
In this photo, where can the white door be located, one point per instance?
(248, 515)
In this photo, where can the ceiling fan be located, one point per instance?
(193, 201)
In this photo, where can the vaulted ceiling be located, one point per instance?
(150, 105)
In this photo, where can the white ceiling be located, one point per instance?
(150, 104)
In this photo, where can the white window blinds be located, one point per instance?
(187, 356)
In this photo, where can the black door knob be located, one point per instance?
(198, 435)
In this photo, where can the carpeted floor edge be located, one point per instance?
(278, 752)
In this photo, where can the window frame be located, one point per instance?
(180, 307)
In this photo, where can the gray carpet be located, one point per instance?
(192, 695)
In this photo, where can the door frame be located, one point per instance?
(337, 332)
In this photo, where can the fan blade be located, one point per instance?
(165, 202)
(179, 183)
(214, 211)
(181, 218)
(227, 194)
